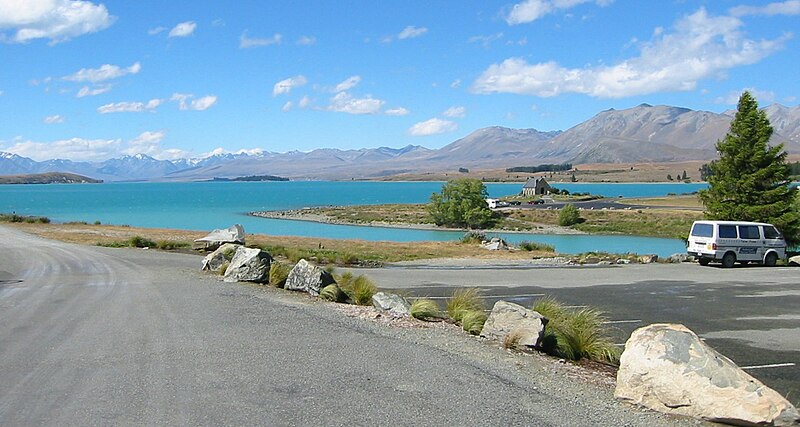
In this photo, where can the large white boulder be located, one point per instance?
(306, 277)
(506, 318)
(248, 265)
(666, 367)
(232, 234)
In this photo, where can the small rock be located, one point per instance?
(795, 260)
(623, 261)
(395, 305)
(604, 262)
(507, 318)
(647, 259)
(214, 260)
(678, 258)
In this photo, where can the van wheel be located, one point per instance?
(704, 261)
(728, 260)
(771, 259)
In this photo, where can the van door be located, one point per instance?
(774, 240)
(751, 246)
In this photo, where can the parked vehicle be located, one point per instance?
(735, 241)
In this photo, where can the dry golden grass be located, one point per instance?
(362, 249)
(687, 201)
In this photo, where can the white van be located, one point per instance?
(735, 241)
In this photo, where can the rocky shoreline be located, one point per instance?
(311, 215)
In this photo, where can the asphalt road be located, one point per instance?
(101, 336)
(751, 314)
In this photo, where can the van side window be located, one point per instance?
(749, 232)
(703, 230)
(771, 233)
(727, 231)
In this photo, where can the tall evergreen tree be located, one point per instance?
(750, 180)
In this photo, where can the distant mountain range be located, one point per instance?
(644, 133)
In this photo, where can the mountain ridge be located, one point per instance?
(644, 133)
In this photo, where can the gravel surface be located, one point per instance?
(124, 336)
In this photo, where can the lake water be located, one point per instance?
(209, 205)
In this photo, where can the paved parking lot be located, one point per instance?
(750, 314)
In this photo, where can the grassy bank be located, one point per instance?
(324, 251)
(672, 218)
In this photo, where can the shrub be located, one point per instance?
(169, 245)
(223, 268)
(362, 290)
(425, 309)
(473, 321)
(576, 334)
(141, 242)
(332, 293)
(97, 223)
(278, 273)
(347, 258)
(473, 236)
(463, 301)
(568, 215)
(536, 246)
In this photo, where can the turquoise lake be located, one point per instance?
(209, 205)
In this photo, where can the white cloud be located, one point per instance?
(411, 32)
(304, 102)
(531, 10)
(486, 41)
(287, 106)
(348, 84)
(306, 40)
(732, 98)
(204, 103)
(92, 91)
(455, 84)
(286, 85)
(433, 126)
(57, 20)
(399, 111)
(455, 112)
(77, 149)
(149, 143)
(185, 102)
(247, 42)
(105, 72)
(156, 30)
(343, 102)
(54, 119)
(129, 107)
(700, 47)
(789, 7)
(184, 29)
(1, 93)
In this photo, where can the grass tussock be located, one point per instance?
(472, 321)
(425, 309)
(473, 237)
(462, 302)
(526, 245)
(333, 293)
(576, 334)
(224, 267)
(359, 289)
(171, 245)
(24, 218)
(278, 273)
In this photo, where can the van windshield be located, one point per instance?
(772, 233)
(702, 230)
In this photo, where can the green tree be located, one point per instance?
(462, 203)
(750, 180)
(568, 215)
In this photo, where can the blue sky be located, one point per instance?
(86, 80)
